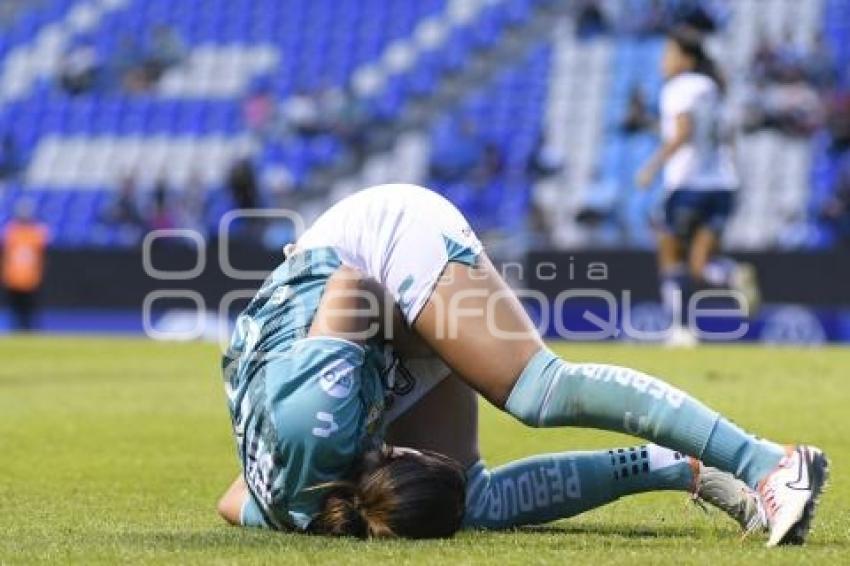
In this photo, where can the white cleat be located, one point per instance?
(730, 495)
(789, 494)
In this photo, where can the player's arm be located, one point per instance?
(230, 504)
(684, 127)
(237, 507)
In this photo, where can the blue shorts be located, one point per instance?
(687, 210)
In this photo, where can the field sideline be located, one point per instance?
(115, 450)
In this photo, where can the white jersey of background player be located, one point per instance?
(705, 162)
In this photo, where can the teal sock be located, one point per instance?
(552, 392)
(556, 486)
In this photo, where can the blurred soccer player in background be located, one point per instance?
(700, 180)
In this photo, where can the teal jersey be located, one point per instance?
(302, 408)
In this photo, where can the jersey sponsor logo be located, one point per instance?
(329, 427)
(337, 382)
(625, 377)
(403, 381)
(536, 488)
(398, 381)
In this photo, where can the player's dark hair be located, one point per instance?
(410, 495)
(690, 42)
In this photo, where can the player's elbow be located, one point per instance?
(228, 509)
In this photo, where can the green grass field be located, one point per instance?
(116, 450)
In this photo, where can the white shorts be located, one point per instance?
(401, 235)
(409, 381)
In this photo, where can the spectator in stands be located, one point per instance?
(456, 154)
(166, 50)
(10, 160)
(331, 101)
(792, 108)
(638, 116)
(788, 60)
(599, 209)
(696, 14)
(820, 64)
(23, 255)
(786, 82)
(242, 182)
(789, 63)
(124, 210)
(543, 161)
(191, 206)
(302, 113)
(490, 167)
(837, 210)
(127, 66)
(659, 16)
(763, 60)
(838, 122)
(79, 69)
(590, 19)
(160, 214)
(649, 21)
(259, 110)
(354, 124)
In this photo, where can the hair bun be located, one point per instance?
(344, 513)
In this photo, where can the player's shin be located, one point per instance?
(553, 392)
(556, 486)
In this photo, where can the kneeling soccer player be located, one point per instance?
(374, 334)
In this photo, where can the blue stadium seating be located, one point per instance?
(29, 20)
(507, 113)
(826, 163)
(635, 65)
(321, 43)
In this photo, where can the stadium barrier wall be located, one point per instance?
(807, 295)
